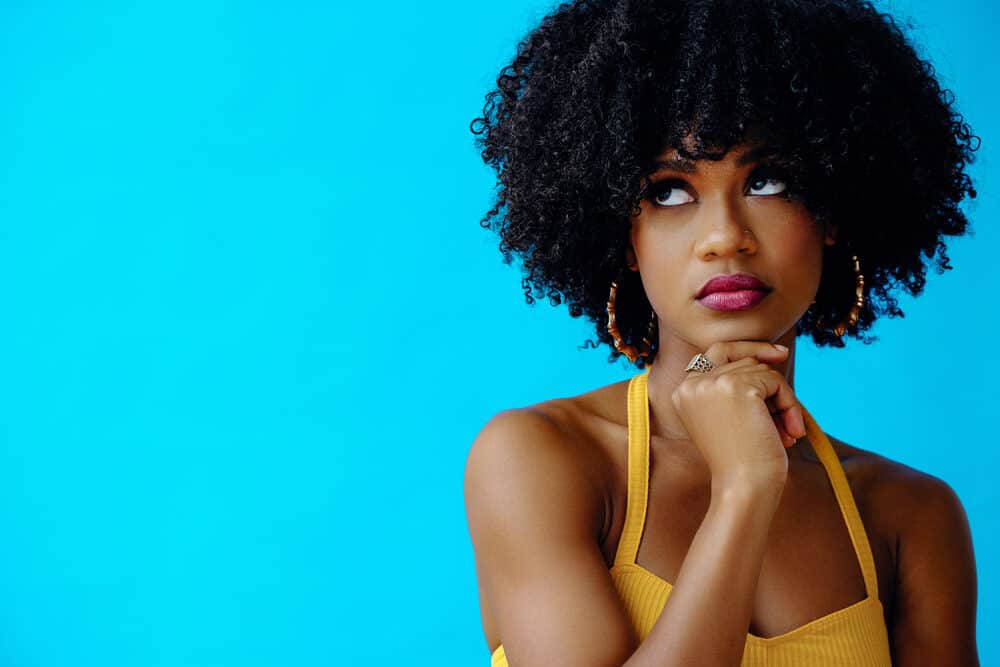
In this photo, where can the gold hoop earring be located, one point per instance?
(859, 301)
(629, 351)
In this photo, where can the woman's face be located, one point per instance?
(702, 219)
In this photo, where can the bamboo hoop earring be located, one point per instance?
(630, 351)
(859, 301)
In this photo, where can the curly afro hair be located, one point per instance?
(866, 134)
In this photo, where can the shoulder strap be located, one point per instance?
(828, 457)
(638, 469)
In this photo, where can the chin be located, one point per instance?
(756, 323)
(760, 330)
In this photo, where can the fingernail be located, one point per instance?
(781, 347)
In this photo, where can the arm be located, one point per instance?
(707, 615)
(535, 516)
(934, 614)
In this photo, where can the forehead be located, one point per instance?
(741, 155)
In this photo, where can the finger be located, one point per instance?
(742, 364)
(795, 421)
(772, 388)
(780, 417)
(788, 407)
(786, 439)
(724, 352)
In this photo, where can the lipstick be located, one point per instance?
(737, 291)
(737, 300)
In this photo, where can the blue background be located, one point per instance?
(250, 327)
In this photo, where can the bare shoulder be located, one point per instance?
(897, 493)
(535, 506)
(932, 619)
(523, 471)
(553, 442)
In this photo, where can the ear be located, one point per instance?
(630, 258)
(830, 232)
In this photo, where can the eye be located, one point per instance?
(668, 192)
(770, 175)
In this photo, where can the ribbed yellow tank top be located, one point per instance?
(855, 636)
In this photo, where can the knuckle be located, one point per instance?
(715, 351)
(677, 394)
(757, 388)
(727, 384)
(703, 389)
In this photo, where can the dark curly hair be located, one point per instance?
(601, 87)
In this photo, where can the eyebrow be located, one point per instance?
(688, 167)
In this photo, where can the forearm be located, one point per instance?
(707, 615)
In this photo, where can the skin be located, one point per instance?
(916, 524)
(721, 220)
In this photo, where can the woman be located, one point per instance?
(706, 181)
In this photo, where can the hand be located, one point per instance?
(728, 412)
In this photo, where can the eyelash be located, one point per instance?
(764, 173)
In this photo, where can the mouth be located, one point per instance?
(734, 300)
(735, 282)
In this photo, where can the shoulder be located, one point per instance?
(535, 510)
(905, 496)
(899, 496)
(933, 614)
(535, 456)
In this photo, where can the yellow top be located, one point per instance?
(855, 635)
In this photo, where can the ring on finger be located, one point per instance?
(699, 364)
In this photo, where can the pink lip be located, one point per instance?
(735, 300)
(732, 283)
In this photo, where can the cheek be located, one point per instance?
(666, 269)
(655, 241)
(799, 242)
(664, 256)
(797, 248)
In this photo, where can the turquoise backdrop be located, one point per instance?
(251, 325)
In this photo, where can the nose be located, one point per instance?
(722, 232)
